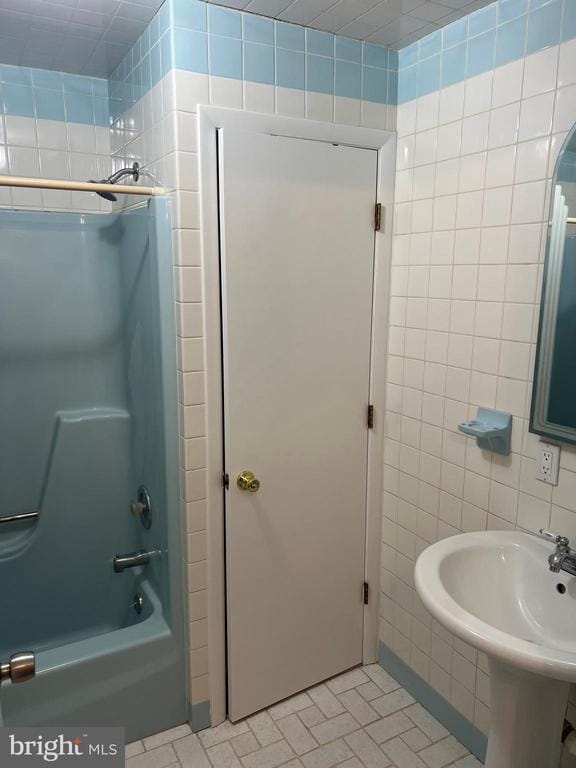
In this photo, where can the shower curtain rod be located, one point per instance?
(78, 186)
(569, 220)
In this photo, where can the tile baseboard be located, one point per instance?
(199, 716)
(457, 724)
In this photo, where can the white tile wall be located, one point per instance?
(57, 150)
(474, 171)
(474, 167)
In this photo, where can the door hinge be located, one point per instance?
(379, 215)
(225, 480)
(370, 417)
(365, 593)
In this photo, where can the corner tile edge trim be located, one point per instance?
(457, 724)
(199, 716)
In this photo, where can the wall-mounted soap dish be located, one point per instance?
(492, 430)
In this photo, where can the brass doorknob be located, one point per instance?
(247, 481)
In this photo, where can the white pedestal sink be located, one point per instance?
(494, 591)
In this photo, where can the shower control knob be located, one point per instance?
(142, 507)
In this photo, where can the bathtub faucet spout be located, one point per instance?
(132, 559)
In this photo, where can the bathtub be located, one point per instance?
(88, 413)
(125, 676)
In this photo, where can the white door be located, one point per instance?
(297, 245)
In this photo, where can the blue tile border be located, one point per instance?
(348, 49)
(544, 26)
(257, 29)
(189, 14)
(320, 43)
(290, 36)
(492, 36)
(290, 68)
(467, 733)
(319, 74)
(481, 53)
(510, 39)
(223, 21)
(48, 95)
(347, 79)
(210, 39)
(259, 65)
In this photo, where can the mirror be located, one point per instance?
(553, 412)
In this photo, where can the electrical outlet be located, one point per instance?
(548, 463)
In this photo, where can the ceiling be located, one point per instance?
(394, 23)
(91, 37)
(87, 37)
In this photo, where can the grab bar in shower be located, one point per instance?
(18, 518)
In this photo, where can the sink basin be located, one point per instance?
(494, 590)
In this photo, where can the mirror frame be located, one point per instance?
(539, 423)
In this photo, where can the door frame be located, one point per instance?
(210, 119)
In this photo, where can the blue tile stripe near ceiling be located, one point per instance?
(206, 38)
(490, 37)
(211, 39)
(44, 94)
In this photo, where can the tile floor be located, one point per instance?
(361, 719)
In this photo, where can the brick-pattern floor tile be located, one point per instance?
(327, 756)
(244, 744)
(443, 753)
(326, 702)
(226, 730)
(165, 737)
(223, 756)
(334, 728)
(382, 679)
(401, 754)
(190, 752)
(360, 719)
(415, 739)
(264, 728)
(269, 757)
(369, 691)
(358, 707)
(161, 757)
(346, 681)
(133, 749)
(388, 727)
(290, 706)
(367, 750)
(296, 734)
(311, 716)
(392, 702)
(424, 720)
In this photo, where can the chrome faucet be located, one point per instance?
(563, 558)
(20, 668)
(133, 559)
